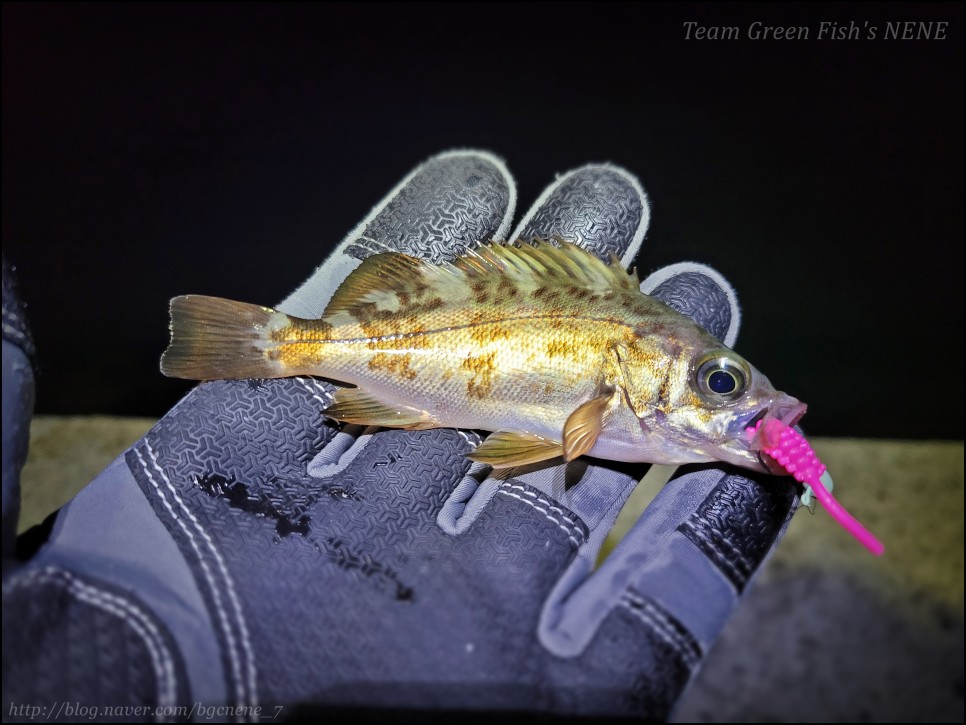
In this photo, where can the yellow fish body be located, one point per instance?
(555, 351)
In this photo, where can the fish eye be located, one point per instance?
(722, 382)
(721, 378)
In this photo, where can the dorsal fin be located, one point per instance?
(558, 260)
(382, 278)
(389, 271)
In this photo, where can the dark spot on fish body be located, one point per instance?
(380, 327)
(506, 286)
(379, 323)
(428, 306)
(282, 334)
(674, 347)
(482, 368)
(487, 334)
(403, 298)
(479, 364)
(664, 390)
(315, 330)
(654, 328)
(480, 292)
(416, 342)
(479, 316)
(296, 356)
(644, 307)
(557, 347)
(386, 316)
(364, 311)
(477, 391)
(394, 364)
(552, 296)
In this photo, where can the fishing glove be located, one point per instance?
(250, 560)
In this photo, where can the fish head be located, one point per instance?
(699, 399)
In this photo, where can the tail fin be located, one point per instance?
(214, 338)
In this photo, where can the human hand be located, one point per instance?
(248, 553)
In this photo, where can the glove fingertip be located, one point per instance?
(700, 292)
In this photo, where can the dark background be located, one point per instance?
(155, 150)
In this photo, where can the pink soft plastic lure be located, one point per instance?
(792, 451)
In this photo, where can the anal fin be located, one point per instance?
(504, 449)
(355, 405)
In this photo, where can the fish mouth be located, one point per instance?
(788, 411)
(759, 417)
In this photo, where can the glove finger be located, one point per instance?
(602, 208)
(701, 293)
(682, 567)
(450, 203)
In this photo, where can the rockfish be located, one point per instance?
(555, 351)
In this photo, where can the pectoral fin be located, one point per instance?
(355, 405)
(583, 426)
(504, 449)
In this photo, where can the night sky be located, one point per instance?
(156, 150)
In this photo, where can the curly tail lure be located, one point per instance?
(790, 449)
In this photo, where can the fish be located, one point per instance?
(556, 352)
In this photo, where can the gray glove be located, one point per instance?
(248, 553)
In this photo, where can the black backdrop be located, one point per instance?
(153, 150)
